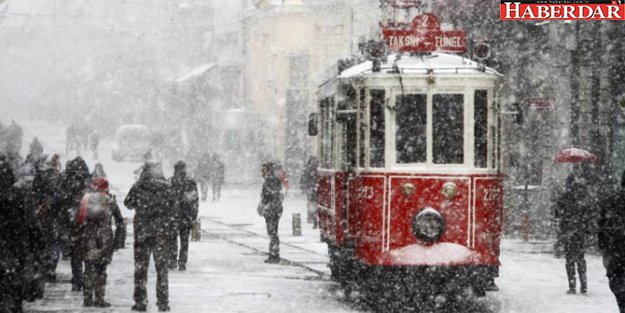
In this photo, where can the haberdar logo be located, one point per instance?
(562, 10)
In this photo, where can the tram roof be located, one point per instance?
(436, 63)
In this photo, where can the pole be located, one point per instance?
(525, 224)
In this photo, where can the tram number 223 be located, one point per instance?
(491, 194)
(365, 192)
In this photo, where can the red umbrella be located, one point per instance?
(575, 155)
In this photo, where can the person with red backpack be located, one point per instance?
(96, 242)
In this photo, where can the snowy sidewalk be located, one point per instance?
(225, 273)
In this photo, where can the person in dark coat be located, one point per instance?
(217, 174)
(186, 210)
(98, 171)
(308, 184)
(611, 239)
(96, 242)
(36, 149)
(270, 208)
(73, 187)
(574, 210)
(46, 191)
(11, 243)
(203, 173)
(94, 141)
(20, 243)
(34, 268)
(152, 199)
(14, 135)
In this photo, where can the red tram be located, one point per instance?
(410, 189)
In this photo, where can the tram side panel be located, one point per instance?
(327, 220)
(488, 218)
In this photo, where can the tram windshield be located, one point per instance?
(365, 129)
(411, 128)
(448, 128)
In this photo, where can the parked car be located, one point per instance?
(132, 143)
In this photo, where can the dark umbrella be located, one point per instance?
(575, 155)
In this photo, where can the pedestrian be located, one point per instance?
(308, 184)
(46, 191)
(270, 208)
(217, 174)
(94, 141)
(611, 237)
(13, 244)
(98, 171)
(152, 199)
(96, 242)
(36, 149)
(186, 209)
(14, 135)
(70, 138)
(574, 211)
(73, 187)
(203, 174)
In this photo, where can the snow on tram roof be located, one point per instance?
(438, 63)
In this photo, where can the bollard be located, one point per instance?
(297, 224)
(196, 230)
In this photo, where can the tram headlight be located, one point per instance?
(428, 225)
(449, 190)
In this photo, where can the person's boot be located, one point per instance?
(273, 260)
(100, 291)
(87, 302)
(163, 308)
(139, 307)
(182, 267)
(571, 290)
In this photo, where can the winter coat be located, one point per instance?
(308, 181)
(203, 170)
(21, 239)
(575, 211)
(96, 240)
(271, 196)
(185, 194)
(218, 169)
(611, 234)
(46, 190)
(36, 149)
(152, 199)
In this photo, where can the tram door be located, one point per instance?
(346, 163)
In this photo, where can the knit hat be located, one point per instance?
(100, 184)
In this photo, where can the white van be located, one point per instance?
(132, 143)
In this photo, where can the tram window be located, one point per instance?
(480, 128)
(410, 132)
(331, 133)
(363, 128)
(448, 128)
(326, 148)
(377, 125)
(348, 149)
(324, 132)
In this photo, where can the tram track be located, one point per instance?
(232, 238)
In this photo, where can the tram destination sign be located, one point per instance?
(562, 10)
(424, 34)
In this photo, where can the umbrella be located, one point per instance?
(575, 155)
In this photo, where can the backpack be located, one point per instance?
(94, 206)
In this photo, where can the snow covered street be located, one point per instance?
(226, 272)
